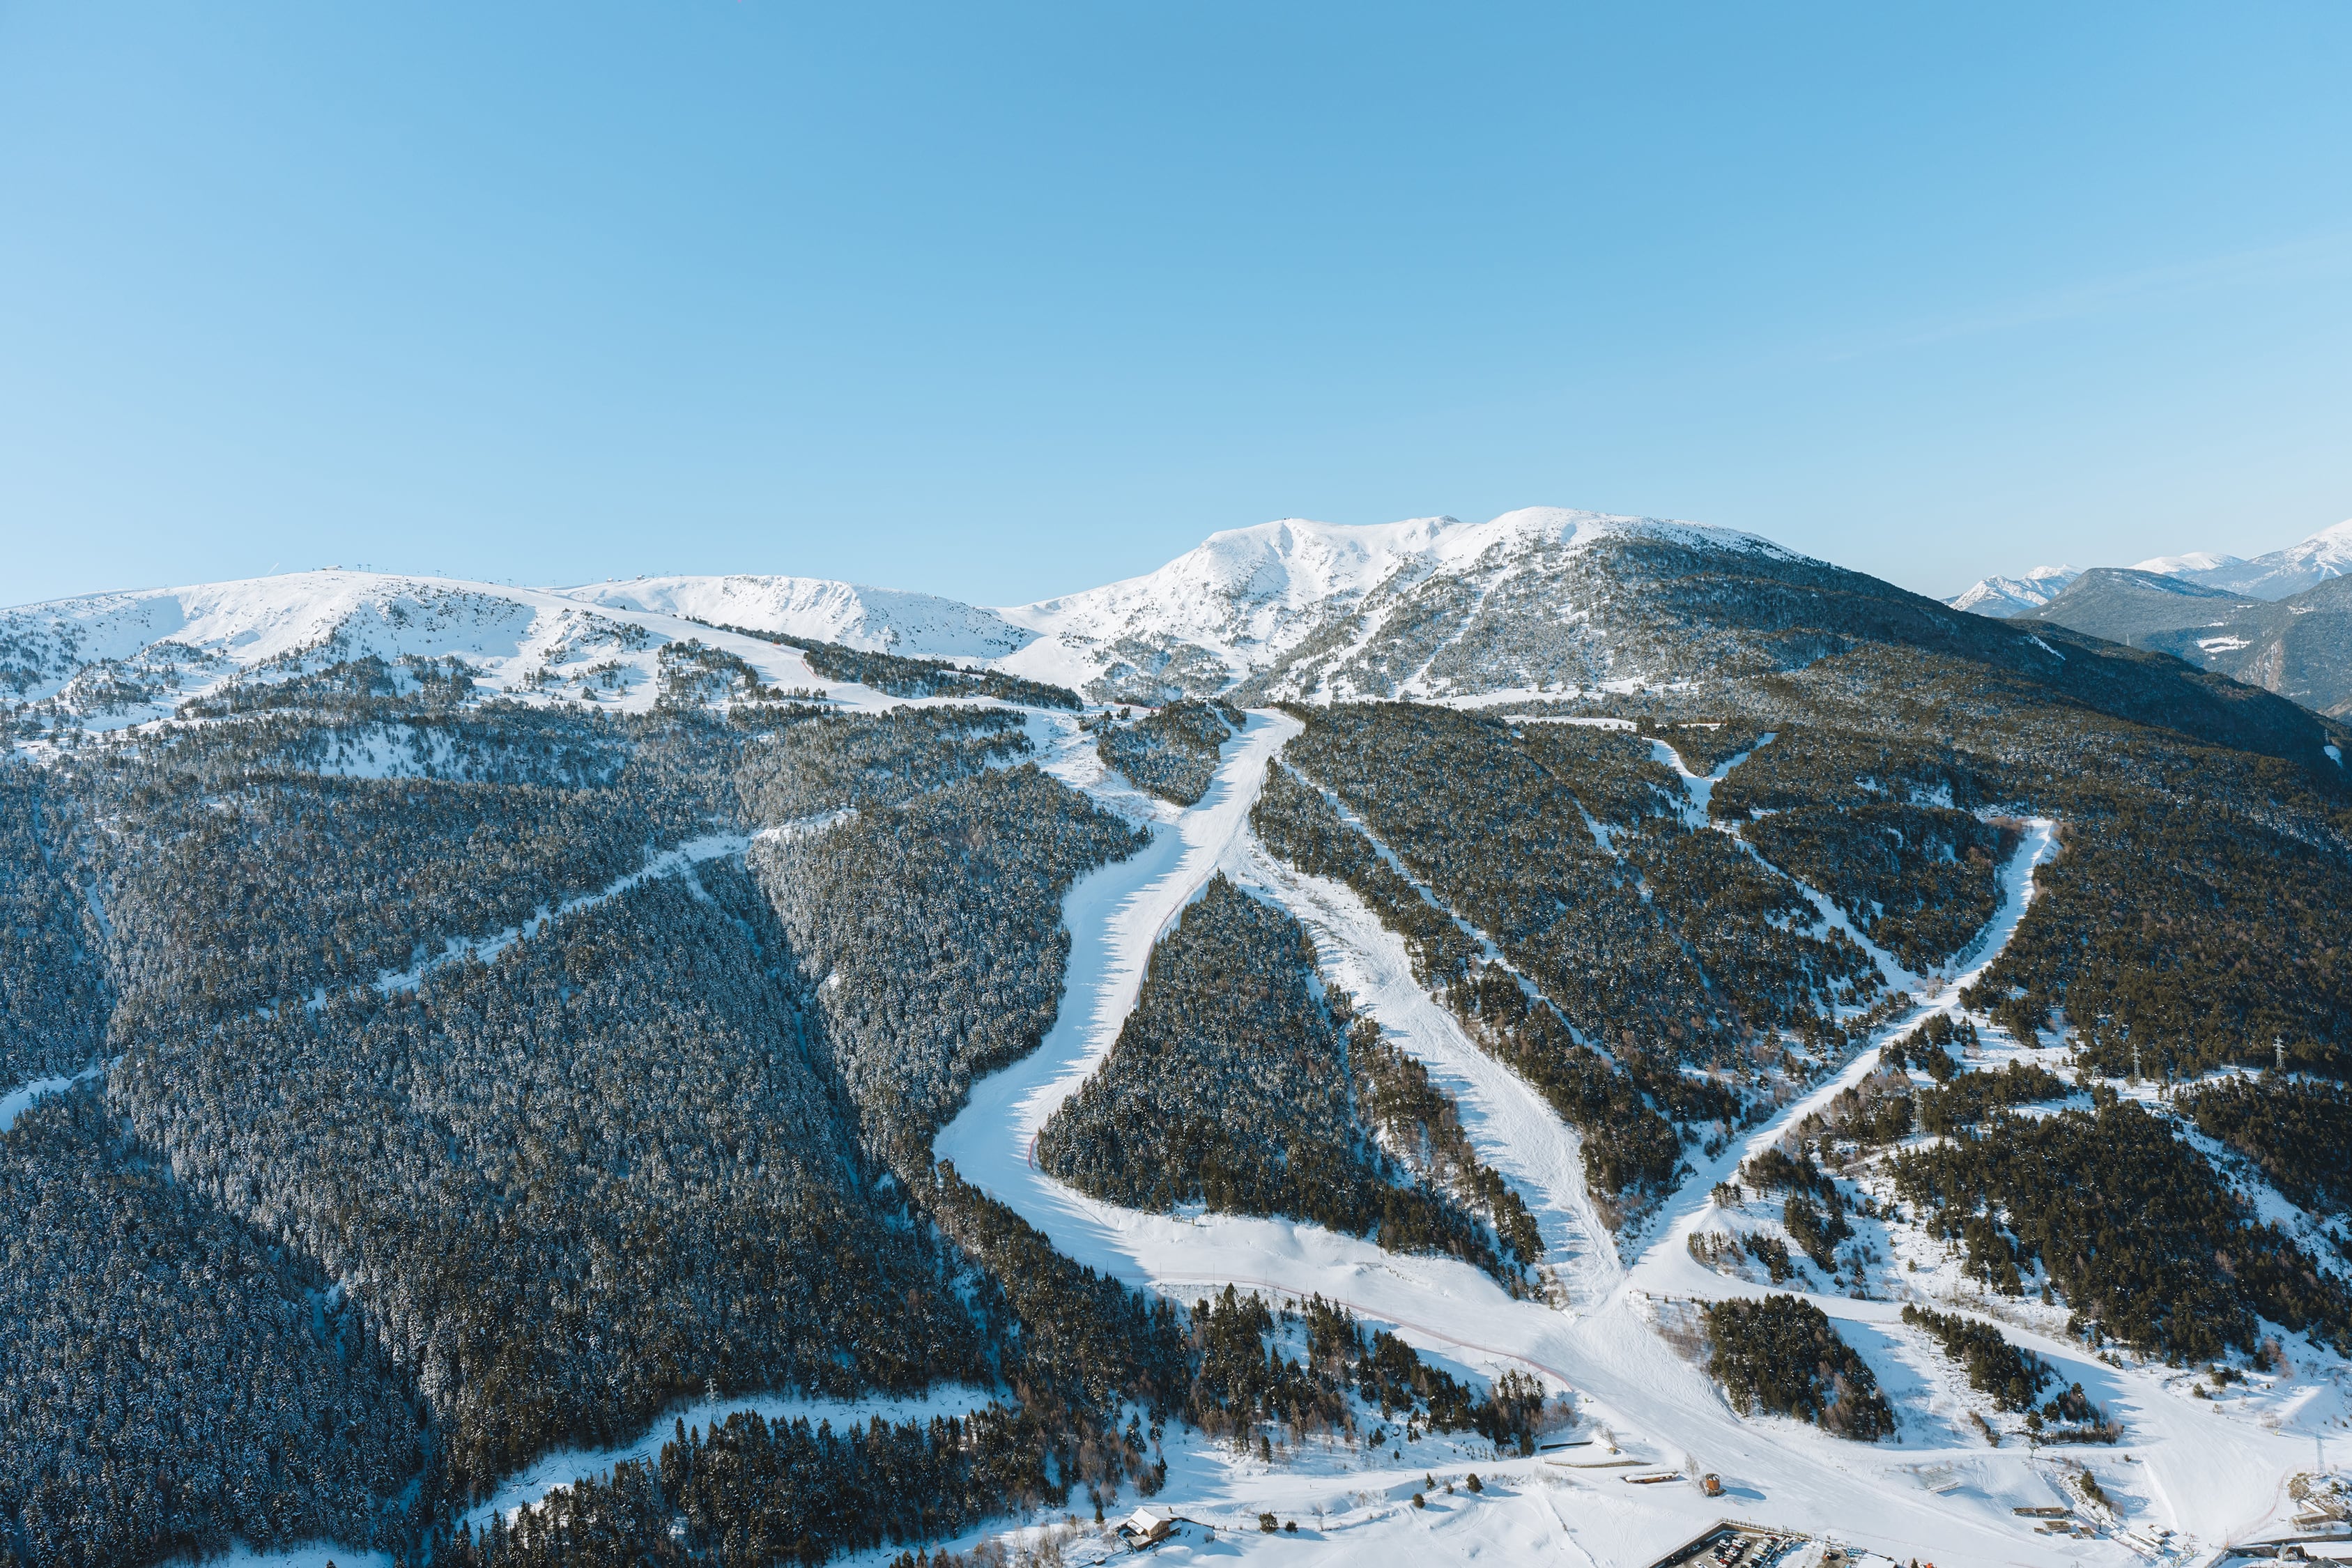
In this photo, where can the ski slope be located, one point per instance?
(1931, 1491)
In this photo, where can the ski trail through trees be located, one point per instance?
(1607, 1346)
(1508, 1123)
(1701, 790)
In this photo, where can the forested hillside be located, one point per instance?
(479, 1058)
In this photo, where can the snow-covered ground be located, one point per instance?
(22, 1098)
(1935, 1489)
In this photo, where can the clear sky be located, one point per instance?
(1001, 300)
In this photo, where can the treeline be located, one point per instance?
(1229, 1085)
(1172, 751)
(2137, 1233)
(901, 675)
(1780, 1356)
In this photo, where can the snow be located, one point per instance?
(2179, 566)
(531, 645)
(2014, 595)
(1445, 1307)
(2211, 1471)
(2209, 1476)
(1244, 597)
(22, 1097)
(884, 619)
(1700, 787)
(1941, 1490)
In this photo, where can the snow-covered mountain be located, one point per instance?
(1544, 599)
(1426, 607)
(114, 660)
(2279, 574)
(2004, 596)
(881, 619)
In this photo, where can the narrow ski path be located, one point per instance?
(1512, 1127)
(1700, 788)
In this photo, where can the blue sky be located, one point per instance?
(1004, 301)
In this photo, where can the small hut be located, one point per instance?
(1145, 1527)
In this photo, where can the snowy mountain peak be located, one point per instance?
(880, 619)
(2178, 565)
(2015, 596)
(123, 658)
(1244, 599)
(2278, 574)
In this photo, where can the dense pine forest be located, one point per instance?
(1171, 750)
(1780, 1355)
(1230, 1086)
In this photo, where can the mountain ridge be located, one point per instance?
(1541, 601)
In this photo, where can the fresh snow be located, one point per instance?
(1244, 597)
(22, 1097)
(883, 619)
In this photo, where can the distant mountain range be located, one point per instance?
(2282, 621)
